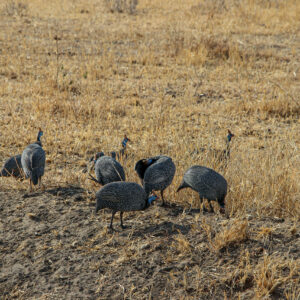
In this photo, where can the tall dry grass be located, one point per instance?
(173, 76)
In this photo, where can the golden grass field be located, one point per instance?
(173, 76)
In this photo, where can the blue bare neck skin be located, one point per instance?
(40, 134)
(124, 142)
(149, 161)
(229, 137)
(151, 199)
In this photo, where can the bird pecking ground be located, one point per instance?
(174, 76)
(54, 247)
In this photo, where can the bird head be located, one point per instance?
(40, 134)
(125, 141)
(152, 198)
(97, 155)
(222, 207)
(113, 154)
(147, 162)
(230, 135)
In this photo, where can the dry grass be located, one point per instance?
(173, 76)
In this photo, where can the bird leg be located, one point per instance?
(30, 186)
(41, 186)
(111, 221)
(162, 197)
(202, 205)
(93, 178)
(121, 218)
(211, 207)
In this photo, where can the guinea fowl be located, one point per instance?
(123, 196)
(218, 155)
(107, 170)
(12, 167)
(208, 183)
(122, 152)
(33, 161)
(156, 173)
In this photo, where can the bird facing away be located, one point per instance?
(208, 183)
(156, 173)
(123, 196)
(107, 170)
(33, 161)
(12, 167)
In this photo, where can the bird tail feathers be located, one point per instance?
(35, 176)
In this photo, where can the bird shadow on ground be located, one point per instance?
(174, 210)
(57, 191)
(166, 228)
(65, 191)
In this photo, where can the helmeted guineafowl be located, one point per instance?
(208, 183)
(122, 152)
(107, 170)
(156, 173)
(123, 196)
(33, 161)
(218, 155)
(12, 167)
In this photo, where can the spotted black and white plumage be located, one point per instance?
(33, 161)
(122, 196)
(156, 173)
(107, 170)
(12, 167)
(208, 183)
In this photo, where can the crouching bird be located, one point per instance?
(12, 167)
(156, 173)
(208, 183)
(33, 161)
(123, 196)
(107, 170)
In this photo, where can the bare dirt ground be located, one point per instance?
(54, 247)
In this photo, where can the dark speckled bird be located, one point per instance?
(12, 167)
(123, 196)
(33, 161)
(107, 170)
(156, 173)
(208, 183)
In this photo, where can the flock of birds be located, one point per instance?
(156, 174)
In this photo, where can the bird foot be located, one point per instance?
(124, 227)
(110, 229)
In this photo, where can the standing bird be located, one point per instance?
(121, 152)
(123, 196)
(33, 161)
(208, 183)
(218, 155)
(12, 167)
(156, 173)
(226, 152)
(107, 170)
